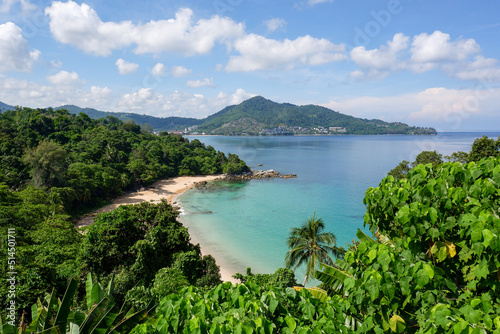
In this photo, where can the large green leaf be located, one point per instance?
(333, 276)
(64, 308)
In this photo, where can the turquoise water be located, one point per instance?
(250, 221)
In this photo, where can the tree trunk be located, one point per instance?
(305, 280)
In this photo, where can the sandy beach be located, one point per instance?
(168, 189)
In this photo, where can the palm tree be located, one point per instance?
(309, 245)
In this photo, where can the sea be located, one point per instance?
(245, 224)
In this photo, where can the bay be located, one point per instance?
(249, 221)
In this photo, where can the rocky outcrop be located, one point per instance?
(259, 174)
(252, 175)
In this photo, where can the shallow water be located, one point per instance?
(251, 220)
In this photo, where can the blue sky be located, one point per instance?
(426, 63)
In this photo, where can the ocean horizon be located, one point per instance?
(246, 223)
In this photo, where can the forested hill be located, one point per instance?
(86, 161)
(156, 123)
(259, 116)
(54, 166)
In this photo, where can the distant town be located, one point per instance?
(277, 131)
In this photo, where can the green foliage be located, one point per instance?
(47, 163)
(434, 266)
(98, 159)
(102, 316)
(127, 242)
(54, 165)
(425, 157)
(282, 278)
(484, 147)
(234, 165)
(245, 308)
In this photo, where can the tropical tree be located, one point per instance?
(47, 163)
(311, 246)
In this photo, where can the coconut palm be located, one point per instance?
(310, 245)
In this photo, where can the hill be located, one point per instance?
(259, 116)
(157, 123)
(5, 107)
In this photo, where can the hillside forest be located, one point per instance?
(431, 265)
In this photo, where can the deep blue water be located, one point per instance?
(251, 220)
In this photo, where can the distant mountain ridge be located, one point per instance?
(157, 123)
(5, 107)
(260, 116)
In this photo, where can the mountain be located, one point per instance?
(259, 116)
(157, 123)
(5, 107)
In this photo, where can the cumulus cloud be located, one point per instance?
(15, 54)
(35, 95)
(124, 67)
(275, 24)
(481, 69)
(208, 82)
(437, 47)
(260, 53)
(65, 78)
(439, 107)
(184, 36)
(80, 26)
(179, 71)
(159, 69)
(178, 103)
(378, 62)
(459, 58)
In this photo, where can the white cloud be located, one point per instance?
(31, 94)
(378, 62)
(15, 54)
(124, 67)
(179, 71)
(437, 47)
(260, 53)
(65, 78)
(275, 24)
(6, 5)
(184, 36)
(439, 107)
(178, 103)
(481, 69)
(80, 26)
(159, 69)
(459, 58)
(208, 82)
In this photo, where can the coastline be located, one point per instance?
(169, 189)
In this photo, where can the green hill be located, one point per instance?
(258, 116)
(5, 107)
(157, 123)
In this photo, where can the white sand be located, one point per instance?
(168, 189)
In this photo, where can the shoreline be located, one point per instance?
(169, 189)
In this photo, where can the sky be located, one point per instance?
(422, 62)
